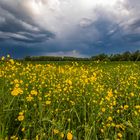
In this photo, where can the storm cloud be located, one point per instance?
(67, 27)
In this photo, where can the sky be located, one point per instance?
(79, 28)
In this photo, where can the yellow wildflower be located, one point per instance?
(23, 129)
(3, 58)
(126, 107)
(119, 135)
(20, 117)
(62, 135)
(69, 136)
(33, 92)
(16, 91)
(55, 131)
(102, 130)
(110, 94)
(109, 119)
(12, 61)
(29, 98)
(132, 94)
(48, 102)
(8, 56)
(103, 109)
(21, 113)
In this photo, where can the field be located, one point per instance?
(69, 100)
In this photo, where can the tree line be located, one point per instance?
(126, 56)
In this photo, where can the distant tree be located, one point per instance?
(101, 57)
(27, 58)
(135, 56)
(126, 56)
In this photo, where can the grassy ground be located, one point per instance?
(70, 100)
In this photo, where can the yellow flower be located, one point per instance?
(23, 129)
(8, 56)
(33, 92)
(110, 94)
(102, 130)
(3, 58)
(109, 119)
(12, 61)
(137, 106)
(103, 109)
(113, 124)
(136, 113)
(29, 98)
(132, 94)
(21, 113)
(37, 137)
(21, 118)
(119, 135)
(14, 138)
(17, 85)
(69, 136)
(16, 91)
(55, 131)
(62, 135)
(48, 102)
(69, 82)
(126, 107)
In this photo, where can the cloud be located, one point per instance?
(15, 25)
(60, 26)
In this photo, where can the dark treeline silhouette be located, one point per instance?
(126, 56)
(54, 58)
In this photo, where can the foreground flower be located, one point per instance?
(16, 91)
(48, 102)
(29, 98)
(33, 92)
(119, 135)
(21, 117)
(103, 109)
(55, 131)
(69, 136)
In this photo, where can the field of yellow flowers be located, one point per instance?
(70, 101)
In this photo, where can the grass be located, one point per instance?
(69, 100)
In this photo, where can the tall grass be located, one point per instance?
(76, 101)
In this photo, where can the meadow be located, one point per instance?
(69, 100)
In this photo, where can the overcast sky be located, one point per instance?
(80, 28)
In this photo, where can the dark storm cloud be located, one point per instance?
(15, 25)
(62, 31)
